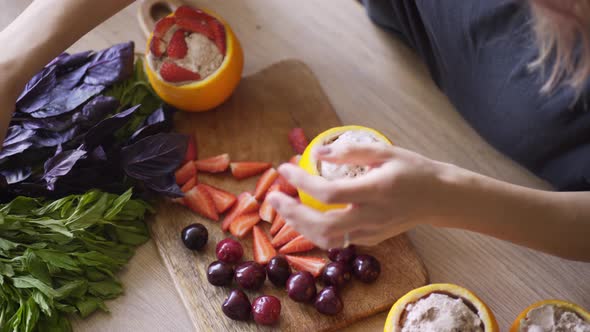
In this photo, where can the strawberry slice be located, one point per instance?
(267, 212)
(157, 47)
(285, 187)
(286, 234)
(243, 224)
(298, 244)
(223, 200)
(265, 181)
(188, 185)
(246, 204)
(185, 173)
(162, 26)
(218, 31)
(172, 72)
(188, 12)
(200, 26)
(177, 48)
(199, 200)
(295, 159)
(313, 265)
(191, 149)
(246, 169)
(277, 224)
(298, 140)
(215, 164)
(263, 250)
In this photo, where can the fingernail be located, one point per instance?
(323, 150)
(273, 201)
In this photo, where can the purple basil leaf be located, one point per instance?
(95, 110)
(111, 65)
(38, 91)
(71, 79)
(165, 185)
(16, 175)
(60, 165)
(52, 124)
(67, 100)
(157, 122)
(66, 62)
(17, 134)
(11, 150)
(107, 127)
(98, 154)
(44, 138)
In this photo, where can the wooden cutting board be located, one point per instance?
(253, 125)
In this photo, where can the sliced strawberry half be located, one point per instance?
(177, 48)
(188, 12)
(298, 140)
(246, 204)
(157, 47)
(298, 244)
(223, 200)
(313, 265)
(286, 234)
(263, 250)
(277, 224)
(265, 181)
(295, 159)
(218, 31)
(215, 164)
(199, 200)
(200, 26)
(162, 26)
(191, 149)
(185, 173)
(267, 212)
(246, 169)
(243, 224)
(172, 72)
(189, 184)
(285, 187)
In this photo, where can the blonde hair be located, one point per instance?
(562, 28)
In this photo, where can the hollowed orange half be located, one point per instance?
(585, 315)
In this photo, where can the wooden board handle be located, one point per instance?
(151, 11)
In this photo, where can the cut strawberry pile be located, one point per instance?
(264, 182)
(177, 48)
(222, 199)
(263, 250)
(286, 234)
(185, 173)
(191, 149)
(285, 187)
(243, 224)
(188, 12)
(157, 47)
(199, 200)
(196, 26)
(277, 224)
(172, 72)
(215, 164)
(267, 212)
(298, 244)
(163, 25)
(246, 169)
(298, 140)
(189, 184)
(313, 265)
(246, 204)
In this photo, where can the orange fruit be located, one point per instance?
(214, 89)
(397, 312)
(585, 315)
(310, 164)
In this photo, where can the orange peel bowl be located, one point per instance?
(398, 309)
(214, 89)
(558, 303)
(310, 164)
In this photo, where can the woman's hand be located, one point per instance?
(402, 189)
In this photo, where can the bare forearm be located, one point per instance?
(553, 222)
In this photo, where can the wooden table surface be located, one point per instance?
(372, 79)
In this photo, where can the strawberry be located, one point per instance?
(157, 47)
(267, 212)
(313, 265)
(295, 159)
(187, 12)
(263, 250)
(185, 173)
(246, 169)
(218, 31)
(285, 187)
(264, 183)
(286, 234)
(172, 72)
(223, 200)
(298, 244)
(213, 164)
(199, 200)
(298, 140)
(188, 185)
(177, 48)
(191, 149)
(243, 224)
(246, 204)
(162, 26)
(277, 224)
(191, 25)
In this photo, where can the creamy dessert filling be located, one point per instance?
(337, 171)
(441, 313)
(553, 318)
